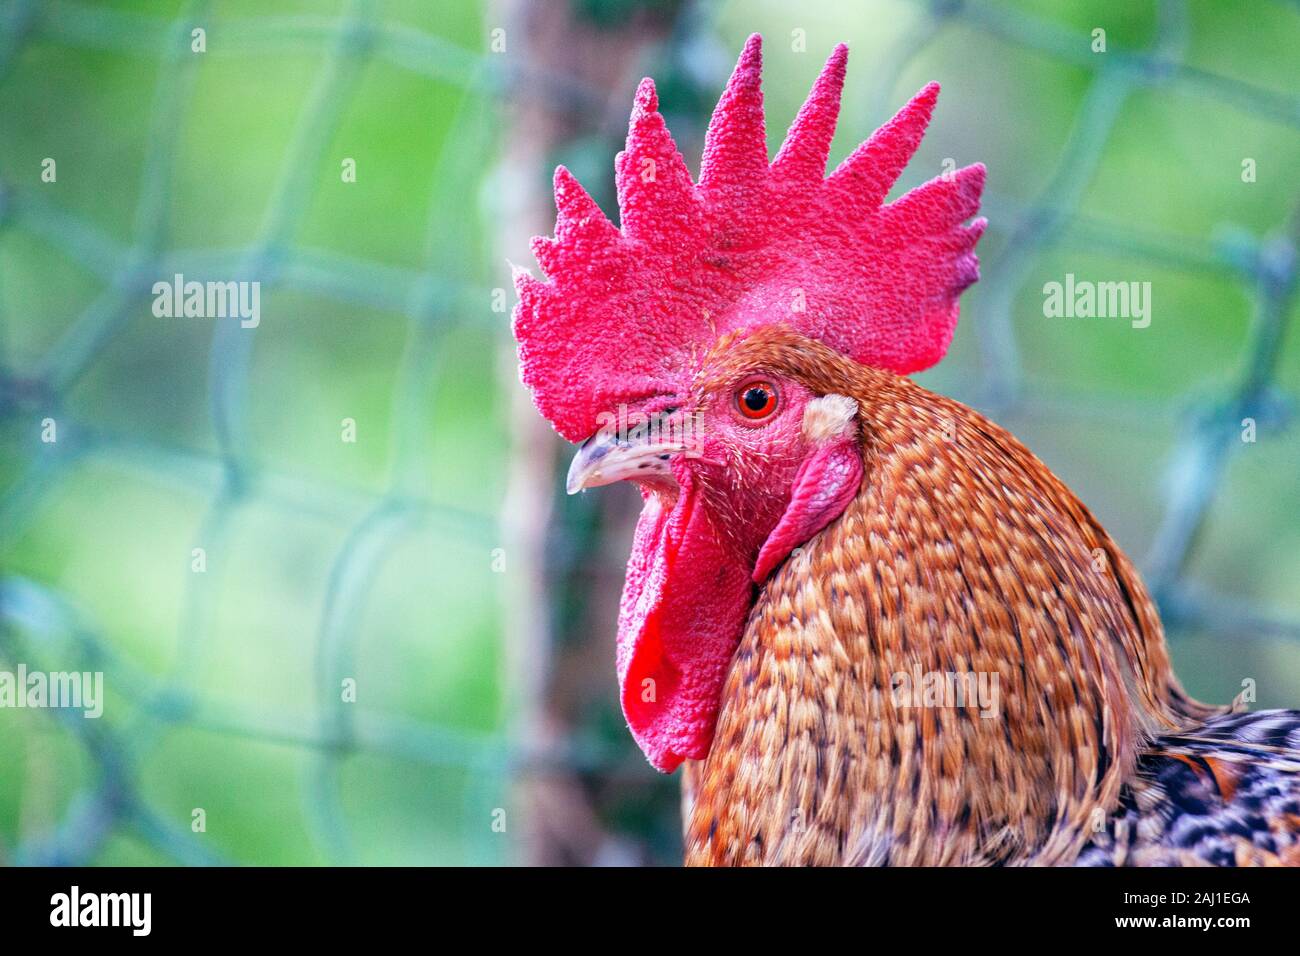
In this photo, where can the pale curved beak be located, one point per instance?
(607, 457)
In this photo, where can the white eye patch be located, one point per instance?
(828, 417)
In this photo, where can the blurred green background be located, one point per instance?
(435, 560)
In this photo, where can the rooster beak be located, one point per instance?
(607, 457)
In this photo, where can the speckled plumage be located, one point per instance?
(779, 587)
(961, 553)
(1224, 794)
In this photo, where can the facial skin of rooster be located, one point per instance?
(815, 525)
(709, 521)
(933, 564)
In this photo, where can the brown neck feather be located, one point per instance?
(1035, 661)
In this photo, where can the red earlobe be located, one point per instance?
(823, 488)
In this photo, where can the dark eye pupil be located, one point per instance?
(756, 399)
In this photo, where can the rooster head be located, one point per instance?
(693, 350)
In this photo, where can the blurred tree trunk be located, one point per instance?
(570, 78)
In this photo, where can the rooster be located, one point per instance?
(874, 628)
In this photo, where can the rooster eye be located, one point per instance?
(756, 400)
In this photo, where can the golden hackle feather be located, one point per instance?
(961, 553)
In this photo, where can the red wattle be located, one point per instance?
(683, 611)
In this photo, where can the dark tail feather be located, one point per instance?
(1224, 794)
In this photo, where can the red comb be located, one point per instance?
(626, 313)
